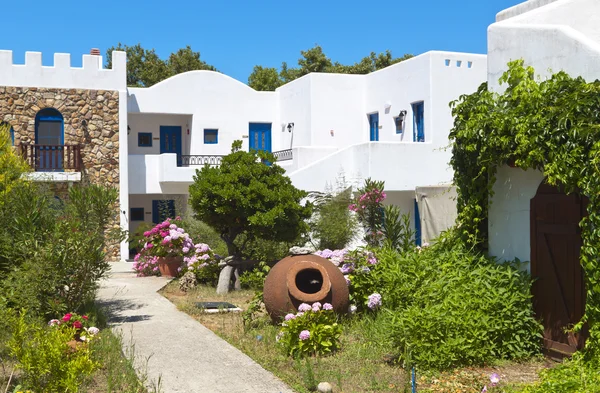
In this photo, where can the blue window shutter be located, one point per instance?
(418, 121)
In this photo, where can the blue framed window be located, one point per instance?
(12, 135)
(137, 214)
(145, 139)
(418, 109)
(211, 136)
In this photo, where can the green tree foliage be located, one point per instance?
(315, 60)
(554, 126)
(334, 225)
(145, 68)
(12, 166)
(246, 197)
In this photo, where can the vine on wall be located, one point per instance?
(553, 126)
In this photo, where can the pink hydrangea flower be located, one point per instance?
(304, 335)
(304, 307)
(316, 306)
(327, 306)
(289, 316)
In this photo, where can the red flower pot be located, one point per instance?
(169, 266)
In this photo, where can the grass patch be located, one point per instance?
(359, 366)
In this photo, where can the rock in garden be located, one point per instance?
(300, 250)
(188, 281)
(324, 387)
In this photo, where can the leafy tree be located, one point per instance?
(12, 166)
(315, 60)
(145, 68)
(264, 79)
(247, 198)
(186, 60)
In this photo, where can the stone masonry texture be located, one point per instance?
(99, 140)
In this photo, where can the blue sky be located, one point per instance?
(235, 35)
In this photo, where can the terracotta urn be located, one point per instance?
(304, 279)
(168, 266)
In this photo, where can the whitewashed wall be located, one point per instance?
(150, 122)
(215, 101)
(509, 213)
(563, 35)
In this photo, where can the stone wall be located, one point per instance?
(98, 135)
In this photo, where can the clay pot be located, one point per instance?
(168, 266)
(304, 279)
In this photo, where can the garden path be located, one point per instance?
(172, 346)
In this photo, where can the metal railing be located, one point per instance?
(283, 155)
(199, 159)
(215, 160)
(52, 158)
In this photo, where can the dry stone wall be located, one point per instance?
(98, 135)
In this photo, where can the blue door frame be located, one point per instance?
(260, 136)
(162, 209)
(374, 127)
(418, 122)
(50, 156)
(170, 141)
(417, 224)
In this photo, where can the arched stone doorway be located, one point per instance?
(559, 287)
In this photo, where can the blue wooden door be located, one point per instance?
(162, 209)
(374, 127)
(260, 136)
(170, 141)
(418, 122)
(49, 138)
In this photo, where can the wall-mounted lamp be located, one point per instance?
(128, 129)
(290, 127)
(400, 121)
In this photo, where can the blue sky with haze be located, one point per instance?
(235, 35)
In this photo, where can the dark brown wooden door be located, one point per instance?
(558, 289)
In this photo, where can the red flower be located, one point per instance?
(66, 318)
(85, 317)
(77, 325)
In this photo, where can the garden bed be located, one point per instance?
(360, 365)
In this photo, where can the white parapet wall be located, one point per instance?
(61, 75)
(553, 36)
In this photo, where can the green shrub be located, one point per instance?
(397, 232)
(202, 233)
(576, 375)
(312, 331)
(334, 225)
(269, 251)
(45, 359)
(255, 278)
(56, 254)
(448, 307)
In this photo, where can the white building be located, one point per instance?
(320, 126)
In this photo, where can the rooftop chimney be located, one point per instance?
(95, 52)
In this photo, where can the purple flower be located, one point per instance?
(304, 307)
(365, 269)
(326, 253)
(374, 301)
(185, 250)
(289, 316)
(316, 306)
(347, 268)
(494, 379)
(347, 280)
(304, 335)
(172, 226)
(484, 390)
(327, 306)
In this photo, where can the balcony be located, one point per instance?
(55, 163)
(52, 158)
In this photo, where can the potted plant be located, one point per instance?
(165, 246)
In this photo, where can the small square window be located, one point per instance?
(211, 136)
(145, 139)
(137, 214)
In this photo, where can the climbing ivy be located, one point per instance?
(551, 125)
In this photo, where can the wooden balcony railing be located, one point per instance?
(52, 158)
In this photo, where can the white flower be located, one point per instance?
(93, 330)
(352, 309)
